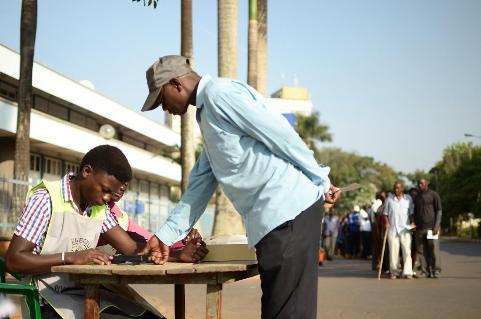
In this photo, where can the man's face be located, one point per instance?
(174, 98)
(398, 189)
(99, 187)
(423, 185)
(116, 196)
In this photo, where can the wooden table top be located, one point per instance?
(151, 269)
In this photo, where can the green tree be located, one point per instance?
(347, 167)
(311, 130)
(457, 178)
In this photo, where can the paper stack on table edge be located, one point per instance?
(229, 248)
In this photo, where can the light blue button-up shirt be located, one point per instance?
(257, 158)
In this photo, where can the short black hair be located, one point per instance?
(109, 159)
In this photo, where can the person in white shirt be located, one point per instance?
(398, 214)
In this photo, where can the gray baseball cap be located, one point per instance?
(160, 73)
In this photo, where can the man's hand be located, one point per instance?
(194, 251)
(435, 231)
(89, 256)
(193, 234)
(331, 196)
(158, 250)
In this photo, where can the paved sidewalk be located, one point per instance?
(349, 289)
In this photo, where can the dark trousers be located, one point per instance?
(288, 259)
(354, 243)
(427, 251)
(366, 239)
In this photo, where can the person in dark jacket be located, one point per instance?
(427, 216)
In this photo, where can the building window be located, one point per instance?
(52, 166)
(39, 103)
(58, 110)
(133, 141)
(35, 162)
(8, 91)
(91, 124)
(77, 118)
(71, 167)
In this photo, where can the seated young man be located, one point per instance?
(61, 224)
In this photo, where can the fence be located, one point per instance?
(152, 215)
(12, 199)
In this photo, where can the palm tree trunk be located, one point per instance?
(187, 149)
(227, 38)
(226, 219)
(252, 45)
(262, 47)
(28, 30)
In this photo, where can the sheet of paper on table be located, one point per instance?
(229, 248)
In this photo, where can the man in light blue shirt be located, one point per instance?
(264, 168)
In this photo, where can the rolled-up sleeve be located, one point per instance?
(202, 184)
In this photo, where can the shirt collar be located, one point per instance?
(398, 200)
(199, 99)
(66, 193)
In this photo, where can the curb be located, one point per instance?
(462, 240)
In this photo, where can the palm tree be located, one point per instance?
(262, 46)
(311, 130)
(28, 30)
(227, 38)
(226, 219)
(252, 45)
(187, 150)
(187, 147)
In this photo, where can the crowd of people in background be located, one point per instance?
(410, 221)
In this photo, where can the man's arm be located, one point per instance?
(438, 211)
(385, 214)
(121, 241)
(19, 258)
(246, 110)
(202, 184)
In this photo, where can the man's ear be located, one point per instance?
(176, 82)
(86, 171)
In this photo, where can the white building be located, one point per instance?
(291, 101)
(65, 122)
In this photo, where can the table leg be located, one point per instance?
(92, 302)
(214, 301)
(179, 295)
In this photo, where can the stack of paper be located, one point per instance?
(229, 248)
(431, 236)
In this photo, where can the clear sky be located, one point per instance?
(395, 80)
